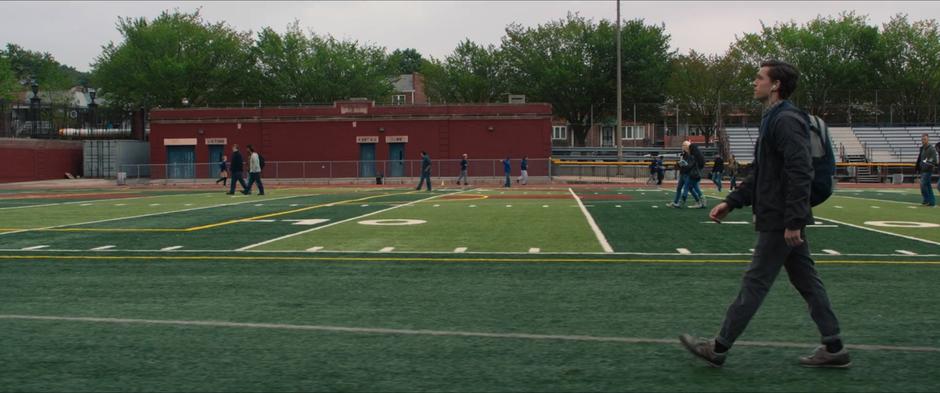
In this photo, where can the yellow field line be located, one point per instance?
(254, 257)
(263, 216)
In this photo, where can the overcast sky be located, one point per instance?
(74, 32)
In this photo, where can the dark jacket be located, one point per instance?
(927, 153)
(426, 164)
(719, 165)
(778, 185)
(238, 165)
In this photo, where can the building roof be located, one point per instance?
(404, 83)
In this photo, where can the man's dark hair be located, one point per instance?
(785, 73)
(250, 148)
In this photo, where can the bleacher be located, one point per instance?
(894, 144)
(741, 143)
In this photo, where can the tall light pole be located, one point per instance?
(619, 93)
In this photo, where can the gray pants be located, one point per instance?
(463, 175)
(770, 254)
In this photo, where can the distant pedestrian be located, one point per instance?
(236, 170)
(425, 170)
(255, 164)
(733, 169)
(223, 171)
(524, 171)
(464, 164)
(507, 168)
(718, 170)
(660, 170)
(926, 163)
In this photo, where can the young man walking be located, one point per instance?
(236, 170)
(925, 165)
(254, 172)
(464, 164)
(425, 171)
(524, 171)
(507, 168)
(718, 170)
(778, 189)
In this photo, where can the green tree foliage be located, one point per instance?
(834, 55)
(9, 83)
(407, 61)
(910, 69)
(175, 56)
(472, 73)
(30, 65)
(571, 63)
(294, 67)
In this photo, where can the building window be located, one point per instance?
(398, 99)
(634, 132)
(560, 132)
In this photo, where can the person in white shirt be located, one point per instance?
(254, 172)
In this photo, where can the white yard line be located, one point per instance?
(905, 252)
(460, 249)
(340, 222)
(535, 250)
(35, 247)
(314, 249)
(97, 200)
(387, 249)
(171, 248)
(102, 248)
(147, 215)
(831, 252)
(597, 231)
(441, 333)
(880, 231)
(684, 251)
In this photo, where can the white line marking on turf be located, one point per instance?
(544, 205)
(597, 231)
(94, 200)
(147, 215)
(508, 205)
(655, 207)
(187, 204)
(837, 207)
(617, 206)
(880, 231)
(260, 221)
(684, 251)
(315, 249)
(102, 248)
(444, 333)
(154, 204)
(294, 205)
(460, 249)
(387, 249)
(85, 204)
(171, 248)
(905, 252)
(472, 206)
(120, 204)
(34, 247)
(876, 200)
(534, 250)
(912, 207)
(259, 204)
(876, 207)
(831, 252)
(248, 247)
(313, 221)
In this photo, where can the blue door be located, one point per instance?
(215, 155)
(181, 162)
(396, 157)
(367, 160)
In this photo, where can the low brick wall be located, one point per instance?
(37, 159)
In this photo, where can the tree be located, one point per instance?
(9, 83)
(472, 73)
(28, 65)
(293, 67)
(834, 56)
(406, 61)
(571, 63)
(175, 56)
(910, 69)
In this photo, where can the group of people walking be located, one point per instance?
(464, 171)
(691, 167)
(235, 169)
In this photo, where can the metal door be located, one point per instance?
(181, 161)
(367, 160)
(396, 157)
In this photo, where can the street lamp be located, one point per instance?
(34, 105)
(92, 106)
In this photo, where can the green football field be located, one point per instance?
(538, 288)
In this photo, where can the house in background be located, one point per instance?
(408, 89)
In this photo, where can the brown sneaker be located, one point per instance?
(703, 349)
(823, 358)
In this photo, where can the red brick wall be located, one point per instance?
(31, 159)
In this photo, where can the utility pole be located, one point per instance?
(619, 128)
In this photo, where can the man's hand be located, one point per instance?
(719, 212)
(792, 237)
